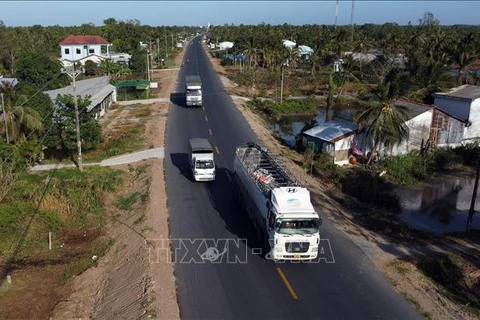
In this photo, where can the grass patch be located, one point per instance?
(140, 219)
(288, 107)
(455, 277)
(126, 203)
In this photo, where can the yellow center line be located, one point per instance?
(206, 118)
(287, 284)
(210, 131)
(216, 149)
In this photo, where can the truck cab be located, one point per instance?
(292, 225)
(193, 91)
(202, 162)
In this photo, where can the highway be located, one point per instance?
(241, 284)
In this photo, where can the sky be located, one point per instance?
(199, 13)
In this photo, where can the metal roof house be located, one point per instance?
(333, 137)
(102, 94)
(11, 81)
(462, 103)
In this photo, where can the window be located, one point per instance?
(67, 51)
(91, 50)
(78, 51)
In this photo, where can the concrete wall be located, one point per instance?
(83, 51)
(473, 129)
(419, 130)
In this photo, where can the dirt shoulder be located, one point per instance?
(391, 259)
(134, 280)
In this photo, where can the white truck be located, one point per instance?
(193, 91)
(202, 161)
(279, 208)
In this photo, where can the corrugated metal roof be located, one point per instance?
(332, 130)
(414, 109)
(11, 81)
(466, 91)
(97, 88)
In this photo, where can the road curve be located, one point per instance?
(240, 284)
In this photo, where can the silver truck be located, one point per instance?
(279, 208)
(193, 91)
(201, 158)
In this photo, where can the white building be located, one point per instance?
(75, 48)
(462, 103)
(419, 125)
(102, 94)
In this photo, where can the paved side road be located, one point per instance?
(144, 101)
(115, 161)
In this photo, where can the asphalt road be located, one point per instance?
(240, 284)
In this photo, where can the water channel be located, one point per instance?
(439, 206)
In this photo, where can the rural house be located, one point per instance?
(341, 137)
(334, 137)
(83, 48)
(463, 105)
(102, 94)
(418, 125)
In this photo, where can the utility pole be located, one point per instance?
(148, 68)
(351, 18)
(336, 14)
(73, 73)
(281, 85)
(4, 111)
(474, 198)
(158, 52)
(172, 42)
(166, 45)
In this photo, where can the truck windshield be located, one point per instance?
(194, 92)
(204, 164)
(297, 226)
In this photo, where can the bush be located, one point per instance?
(362, 185)
(271, 108)
(469, 153)
(408, 169)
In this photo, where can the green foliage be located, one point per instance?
(324, 167)
(73, 199)
(469, 153)
(42, 72)
(408, 169)
(138, 63)
(270, 108)
(362, 184)
(226, 62)
(65, 124)
(91, 68)
(444, 159)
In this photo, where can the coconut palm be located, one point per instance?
(20, 120)
(385, 120)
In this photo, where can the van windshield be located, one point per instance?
(204, 164)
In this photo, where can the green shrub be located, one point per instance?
(363, 184)
(409, 168)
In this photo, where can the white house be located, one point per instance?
(418, 125)
(83, 48)
(462, 103)
(225, 45)
(102, 94)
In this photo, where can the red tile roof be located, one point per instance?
(80, 40)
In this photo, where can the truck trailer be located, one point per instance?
(279, 207)
(193, 91)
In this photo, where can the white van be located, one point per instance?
(201, 158)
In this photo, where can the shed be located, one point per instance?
(333, 137)
(102, 94)
(462, 103)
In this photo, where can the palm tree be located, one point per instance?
(386, 121)
(20, 120)
(463, 54)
